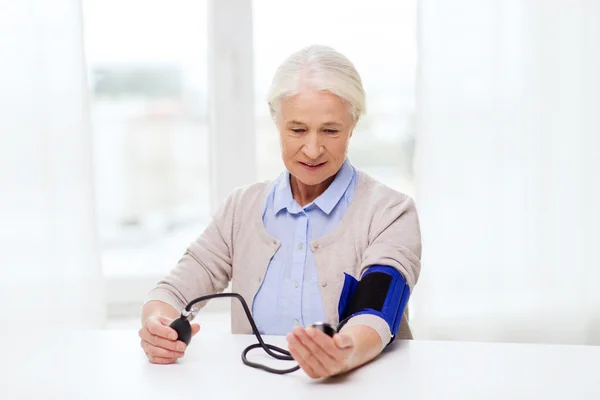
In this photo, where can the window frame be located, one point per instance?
(230, 54)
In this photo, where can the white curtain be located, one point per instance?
(508, 163)
(48, 246)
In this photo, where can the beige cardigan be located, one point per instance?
(381, 226)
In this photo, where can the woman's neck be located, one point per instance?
(305, 194)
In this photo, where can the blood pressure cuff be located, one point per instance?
(382, 291)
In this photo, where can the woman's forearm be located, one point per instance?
(366, 345)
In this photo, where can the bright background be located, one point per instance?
(124, 123)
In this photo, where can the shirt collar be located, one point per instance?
(326, 201)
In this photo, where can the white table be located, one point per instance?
(111, 365)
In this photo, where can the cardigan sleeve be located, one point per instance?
(395, 241)
(205, 267)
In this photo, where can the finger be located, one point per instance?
(166, 321)
(161, 342)
(330, 345)
(154, 351)
(195, 329)
(328, 363)
(308, 356)
(158, 329)
(293, 345)
(160, 360)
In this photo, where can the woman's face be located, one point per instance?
(315, 128)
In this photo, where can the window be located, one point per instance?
(380, 38)
(147, 71)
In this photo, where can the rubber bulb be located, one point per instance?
(183, 328)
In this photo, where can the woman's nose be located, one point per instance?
(312, 146)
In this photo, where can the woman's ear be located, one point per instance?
(351, 130)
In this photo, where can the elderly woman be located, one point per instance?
(322, 242)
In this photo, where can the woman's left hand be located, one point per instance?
(319, 355)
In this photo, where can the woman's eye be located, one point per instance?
(298, 130)
(332, 131)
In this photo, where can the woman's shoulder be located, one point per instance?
(243, 204)
(375, 195)
(384, 209)
(248, 195)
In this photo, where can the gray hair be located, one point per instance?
(320, 68)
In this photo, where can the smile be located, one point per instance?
(312, 166)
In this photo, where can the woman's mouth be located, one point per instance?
(312, 166)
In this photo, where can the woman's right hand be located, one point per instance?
(159, 341)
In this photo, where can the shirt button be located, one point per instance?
(296, 322)
(296, 284)
(323, 284)
(299, 246)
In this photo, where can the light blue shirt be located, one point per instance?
(289, 294)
